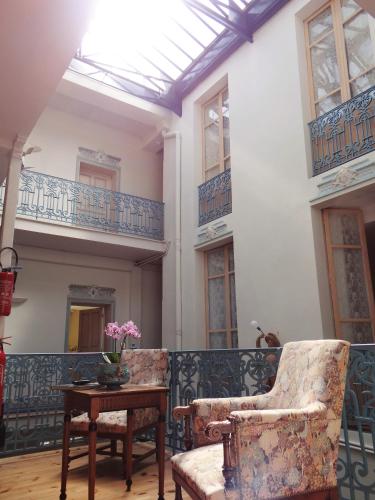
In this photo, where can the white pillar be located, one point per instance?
(10, 207)
(172, 304)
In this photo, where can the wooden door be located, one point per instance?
(349, 275)
(90, 330)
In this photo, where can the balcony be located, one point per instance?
(343, 134)
(53, 199)
(34, 412)
(215, 198)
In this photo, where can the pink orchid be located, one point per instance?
(117, 332)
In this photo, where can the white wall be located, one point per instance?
(38, 325)
(60, 134)
(276, 269)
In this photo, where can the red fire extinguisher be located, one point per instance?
(2, 381)
(8, 276)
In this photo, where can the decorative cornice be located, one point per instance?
(90, 292)
(345, 177)
(99, 157)
(213, 231)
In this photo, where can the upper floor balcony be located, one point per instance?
(74, 205)
(215, 198)
(344, 133)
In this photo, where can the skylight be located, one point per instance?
(148, 47)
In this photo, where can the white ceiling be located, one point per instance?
(38, 39)
(100, 115)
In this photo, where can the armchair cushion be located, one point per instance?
(314, 411)
(116, 421)
(201, 470)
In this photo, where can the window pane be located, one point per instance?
(216, 304)
(230, 258)
(225, 111)
(357, 333)
(215, 261)
(211, 113)
(344, 228)
(218, 340)
(234, 340)
(350, 284)
(212, 172)
(348, 7)
(325, 69)
(359, 46)
(328, 103)
(363, 83)
(233, 306)
(320, 25)
(211, 144)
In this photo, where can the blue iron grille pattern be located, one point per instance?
(34, 413)
(215, 198)
(43, 196)
(344, 133)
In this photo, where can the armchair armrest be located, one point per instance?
(184, 412)
(222, 430)
(314, 411)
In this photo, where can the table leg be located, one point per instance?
(129, 449)
(65, 456)
(160, 439)
(92, 458)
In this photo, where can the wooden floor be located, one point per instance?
(37, 477)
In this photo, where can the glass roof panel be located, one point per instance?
(157, 49)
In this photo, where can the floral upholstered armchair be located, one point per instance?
(146, 367)
(280, 444)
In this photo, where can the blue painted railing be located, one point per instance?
(215, 198)
(61, 200)
(344, 133)
(34, 413)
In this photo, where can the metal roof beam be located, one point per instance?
(236, 20)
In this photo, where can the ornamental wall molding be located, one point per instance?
(345, 177)
(99, 157)
(90, 292)
(212, 232)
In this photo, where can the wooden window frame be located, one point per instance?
(362, 247)
(222, 158)
(342, 60)
(226, 275)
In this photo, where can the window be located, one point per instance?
(221, 298)
(216, 145)
(340, 40)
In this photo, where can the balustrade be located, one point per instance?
(344, 133)
(215, 198)
(52, 198)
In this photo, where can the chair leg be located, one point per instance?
(178, 494)
(113, 447)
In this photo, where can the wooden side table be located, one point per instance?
(96, 400)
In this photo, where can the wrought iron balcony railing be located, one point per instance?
(47, 197)
(34, 412)
(344, 133)
(215, 198)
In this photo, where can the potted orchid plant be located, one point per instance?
(113, 373)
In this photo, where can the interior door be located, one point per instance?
(349, 275)
(90, 330)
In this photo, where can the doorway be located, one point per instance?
(86, 327)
